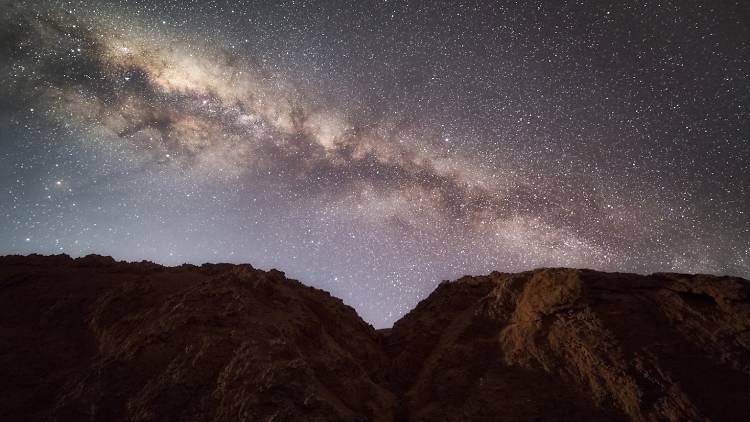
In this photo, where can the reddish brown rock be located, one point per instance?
(96, 339)
(90, 339)
(563, 344)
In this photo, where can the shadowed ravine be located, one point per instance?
(94, 339)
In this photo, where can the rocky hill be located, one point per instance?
(94, 339)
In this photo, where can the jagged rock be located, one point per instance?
(87, 342)
(95, 339)
(569, 344)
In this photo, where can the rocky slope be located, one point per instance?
(95, 339)
(92, 339)
(568, 344)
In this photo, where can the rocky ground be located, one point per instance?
(94, 339)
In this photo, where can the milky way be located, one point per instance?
(373, 149)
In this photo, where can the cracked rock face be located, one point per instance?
(574, 345)
(95, 339)
(86, 341)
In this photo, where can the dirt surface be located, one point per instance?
(94, 339)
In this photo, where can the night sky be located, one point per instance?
(373, 149)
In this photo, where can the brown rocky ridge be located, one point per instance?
(95, 339)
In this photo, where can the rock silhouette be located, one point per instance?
(95, 339)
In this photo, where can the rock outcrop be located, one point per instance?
(567, 344)
(92, 339)
(95, 339)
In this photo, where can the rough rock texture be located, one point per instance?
(92, 339)
(95, 339)
(563, 344)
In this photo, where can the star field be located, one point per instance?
(373, 149)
